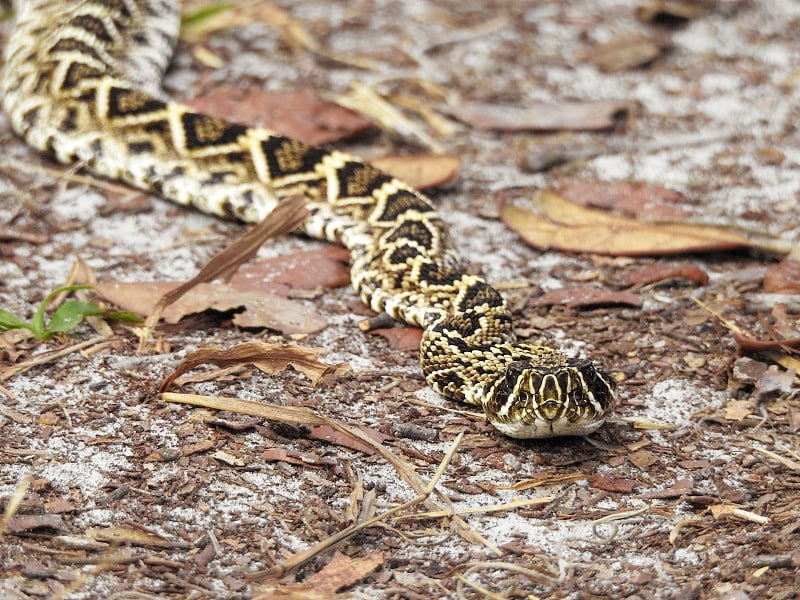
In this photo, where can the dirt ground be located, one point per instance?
(690, 492)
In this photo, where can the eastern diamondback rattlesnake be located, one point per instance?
(82, 84)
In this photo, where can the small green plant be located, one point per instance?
(66, 317)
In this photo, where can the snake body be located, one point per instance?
(82, 84)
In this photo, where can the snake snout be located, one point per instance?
(571, 398)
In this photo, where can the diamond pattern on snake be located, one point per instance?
(82, 85)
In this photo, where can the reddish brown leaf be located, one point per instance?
(301, 115)
(304, 270)
(293, 457)
(342, 571)
(421, 171)
(631, 198)
(578, 116)
(783, 278)
(676, 490)
(36, 523)
(403, 339)
(587, 295)
(749, 343)
(609, 483)
(658, 272)
(327, 433)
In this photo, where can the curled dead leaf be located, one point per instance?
(261, 310)
(37, 523)
(269, 358)
(553, 223)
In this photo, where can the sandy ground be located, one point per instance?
(631, 513)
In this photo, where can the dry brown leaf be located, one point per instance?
(269, 358)
(261, 310)
(556, 224)
(749, 343)
(736, 410)
(403, 339)
(333, 436)
(588, 295)
(625, 52)
(302, 115)
(574, 116)
(37, 523)
(632, 198)
(680, 488)
(659, 272)
(609, 483)
(642, 458)
(286, 217)
(420, 171)
(303, 270)
(783, 278)
(342, 571)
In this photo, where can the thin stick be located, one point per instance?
(46, 357)
(298, 560)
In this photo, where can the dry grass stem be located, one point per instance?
(47, 357)
(786, 462)
(302, 558)
(480, 509)
(300, 415)
(286, 217)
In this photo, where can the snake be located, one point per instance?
(83, 85)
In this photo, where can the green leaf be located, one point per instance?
(9, 321)
(69, 315)
(37, 325)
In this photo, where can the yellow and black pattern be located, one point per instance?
(82, 83)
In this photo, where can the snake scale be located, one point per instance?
(82, 84)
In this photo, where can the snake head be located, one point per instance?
(535, 401)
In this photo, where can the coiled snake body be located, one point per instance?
(82, 84)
